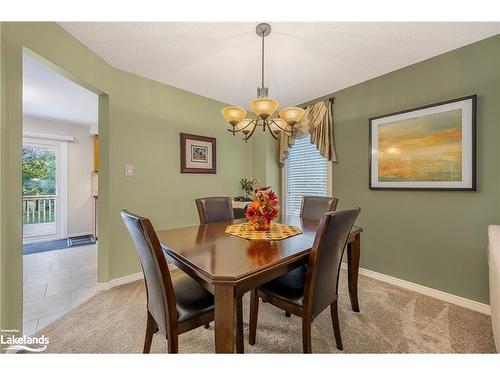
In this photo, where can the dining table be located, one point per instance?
(229, 266)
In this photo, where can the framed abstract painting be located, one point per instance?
(198, 154)
(427, 148)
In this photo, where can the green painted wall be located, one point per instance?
(139, 123)
(437, 239)
(265, 160)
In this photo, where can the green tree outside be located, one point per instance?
(39, 171)
(39, 178)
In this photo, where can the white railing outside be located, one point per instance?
(39, 209)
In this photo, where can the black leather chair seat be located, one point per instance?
(289, 287)
(191, 298)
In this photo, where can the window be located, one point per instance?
(306, 174)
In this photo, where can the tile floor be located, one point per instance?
(55, 282)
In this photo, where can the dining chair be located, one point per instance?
(174, 306)
(239, 213)
(312, 207)
(214, 209)
(306, 291)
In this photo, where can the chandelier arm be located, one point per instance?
(247, 125)
(251, 133)
(275, 136)
(275, 123)
(233, 130)
(283, 129)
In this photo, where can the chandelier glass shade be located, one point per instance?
(292, 115)
(233, 115)
(263, 107)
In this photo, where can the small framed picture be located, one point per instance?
(198, 154)
(427, 148)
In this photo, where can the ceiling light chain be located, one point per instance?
(263, 107)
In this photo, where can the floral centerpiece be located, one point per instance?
(264, 208)
(248, 185)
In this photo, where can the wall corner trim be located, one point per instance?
(434, 293)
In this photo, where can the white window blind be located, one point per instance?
(306, 174)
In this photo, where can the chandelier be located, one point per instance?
(263, 107)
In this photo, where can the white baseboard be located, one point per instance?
(443, 296)
(125, 280)
(119, 281)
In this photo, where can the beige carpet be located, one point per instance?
(392, 320)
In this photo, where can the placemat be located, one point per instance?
(277, 232)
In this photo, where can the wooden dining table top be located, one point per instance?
(224, 258)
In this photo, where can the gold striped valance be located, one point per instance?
(318, 122)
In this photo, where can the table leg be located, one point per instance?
(353, 254)
(224, 318)
(240, 346)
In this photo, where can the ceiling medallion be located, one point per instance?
(263, 107)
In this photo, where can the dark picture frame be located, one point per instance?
(468, 153)
(202, 154)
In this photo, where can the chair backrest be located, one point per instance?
(312, 208)
(325, 258)
(159, 289)
(214, 209)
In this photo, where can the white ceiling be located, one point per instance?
(303, 60)
(49, 94)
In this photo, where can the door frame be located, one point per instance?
(61, 145)
(11, 251)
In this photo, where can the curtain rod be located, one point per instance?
(330, 97)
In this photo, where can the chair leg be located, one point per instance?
(207, 325)
(306, 335)
(240, 348)
(254, 312)
(336, 327)
(150, 329)
(173, 345)
(287, 314)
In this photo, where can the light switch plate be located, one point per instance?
(129, 170)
